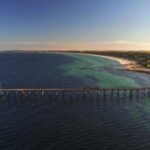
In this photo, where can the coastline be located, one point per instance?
(129, 65)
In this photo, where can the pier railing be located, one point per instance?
(99, 93)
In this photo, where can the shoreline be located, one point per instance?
(128, 64)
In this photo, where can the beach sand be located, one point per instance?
(130, 65)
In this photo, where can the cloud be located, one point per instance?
(133, 43)
(46, 45)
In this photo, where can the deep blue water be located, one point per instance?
(35, 124)
(65, 124)
(36, 70)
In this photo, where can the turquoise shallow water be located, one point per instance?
(104, 72)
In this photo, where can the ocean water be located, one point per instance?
(35, 70)
(55, 70)
(85, 124)
(69, 124)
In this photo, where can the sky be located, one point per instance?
(74, 24)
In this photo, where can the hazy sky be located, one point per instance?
(74, 24)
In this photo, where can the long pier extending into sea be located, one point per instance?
(117, 93)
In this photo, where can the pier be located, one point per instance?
(77, 93)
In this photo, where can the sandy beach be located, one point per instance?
(130, 65)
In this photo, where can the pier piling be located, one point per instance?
(98, 93)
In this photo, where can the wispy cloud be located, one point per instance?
(46, 45)
(133, 43)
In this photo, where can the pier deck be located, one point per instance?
(129, 93)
